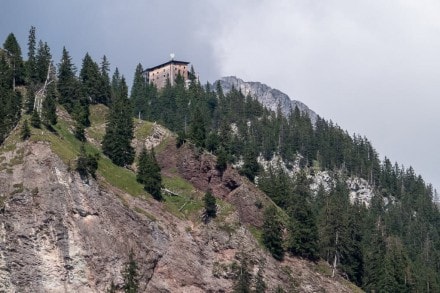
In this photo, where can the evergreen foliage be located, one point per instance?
(49, 116)
(15, 59)
(242, 274)
(119, 129)
(260, 285)
(35, 119)
(31, 64)
(86, 164)
(273, 233)
(210, 205)
(68, 85)
(130, 274)
(25, 131)
(42, 61)
(148, 173)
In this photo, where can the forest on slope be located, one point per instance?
(392, 245)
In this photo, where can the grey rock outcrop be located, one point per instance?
(59, 233)
(267, 96)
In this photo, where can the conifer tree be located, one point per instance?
(119, 129)
(130, 274)
(42, 59)
(242, 274)
(35, 119)
(68, 85)
(198, 131)
(91, 81)
(30, 100)
(273, 233)
(49, 116)
(31, 64)
(13, 51)
(260, 285)
(148, 173)
(105, 88)
(210, 205)
(140, 102)
(25, 131)
(86, 164)
(303, 233)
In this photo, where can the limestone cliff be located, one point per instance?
(267, 96)
(60, 233)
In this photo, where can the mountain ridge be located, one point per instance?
(269, 97)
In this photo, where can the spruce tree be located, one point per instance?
(242, 274)
(30, 100)
(43, 59)
(210, 204)
(49, 116)
(68, 85)
(260, 285)
(119, 128)
(273, 233)
(303, 233)
(35, 119)
(105, 88)
(31, 64)
(25, 131)
(130, 274)
(91, 81)
(14, 55)
(148, 173)
(198, 131)
(138, 94)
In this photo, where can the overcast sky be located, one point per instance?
(373, 67)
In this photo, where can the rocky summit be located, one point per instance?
(267, 96)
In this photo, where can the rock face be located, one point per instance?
(61, 234)
(268, 97)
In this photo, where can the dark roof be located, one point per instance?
(166, 63)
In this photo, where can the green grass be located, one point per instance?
(98, 116)
(188, 202)
(143, 129)
(67, 147)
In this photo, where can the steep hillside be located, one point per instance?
(60, 233)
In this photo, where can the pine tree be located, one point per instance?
(43, 59)
(119, 129)
(35, 119)
(260, 285)
(91, 81)
(68, 85)
(273, 233)
(140, 103)
(303, 233)
(148, 173)
(210, 205)
(30, 100)
(105, 88)
(242, 275)
(13, 51)
(25, 131)
(31, 64)
(198, 131)
(130, 274)
(86, 164)
(49, 116)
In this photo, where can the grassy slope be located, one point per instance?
(187, 205)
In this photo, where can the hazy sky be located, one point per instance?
(373, 67)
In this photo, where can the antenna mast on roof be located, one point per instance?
(172, 56)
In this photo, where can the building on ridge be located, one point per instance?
(158, 75)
